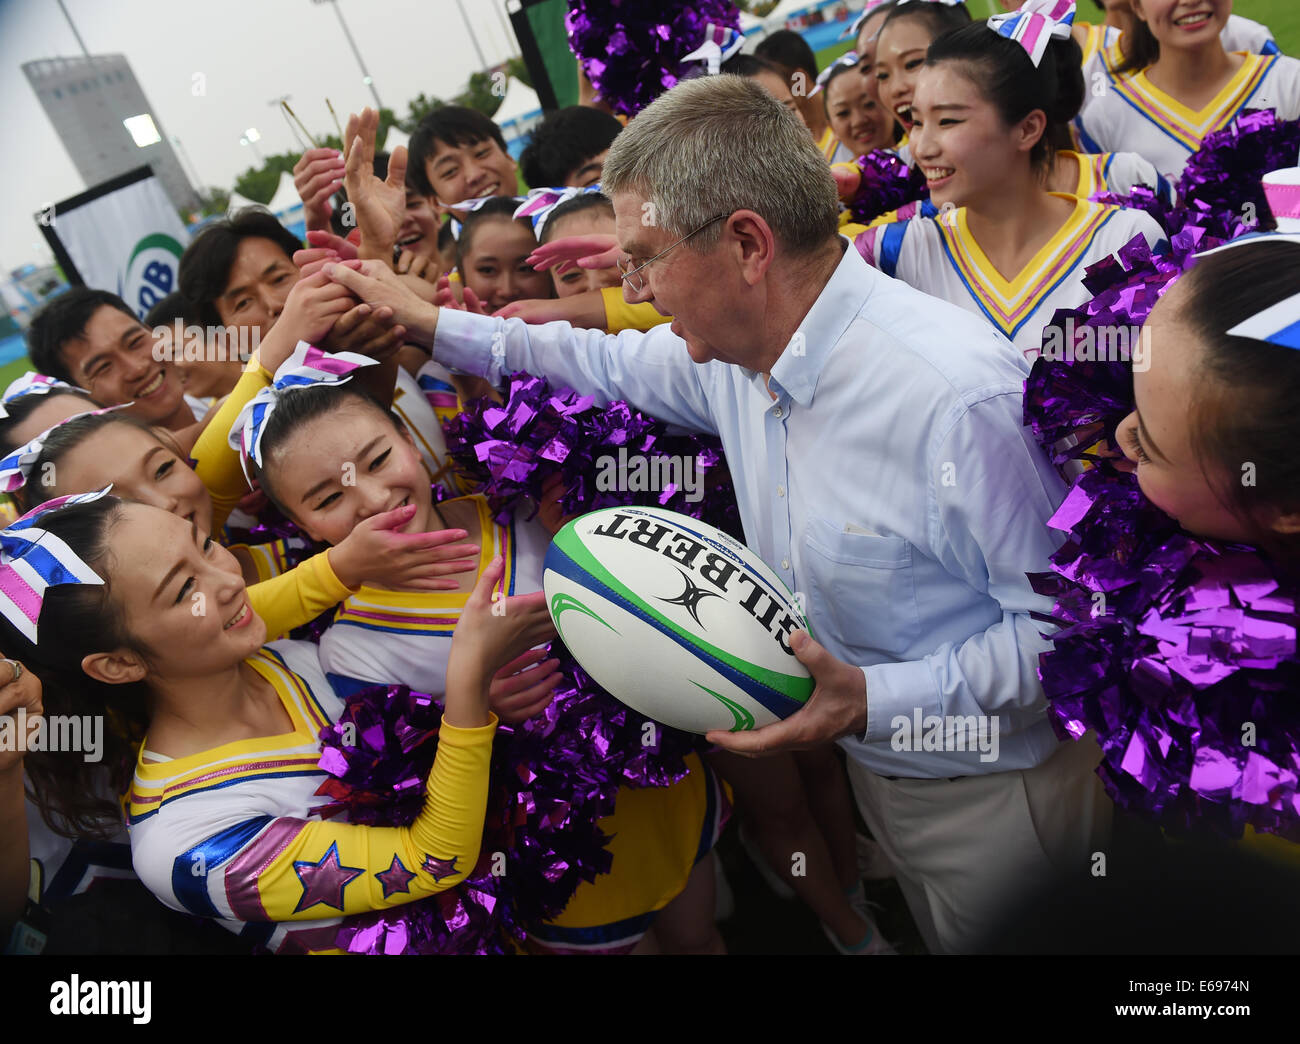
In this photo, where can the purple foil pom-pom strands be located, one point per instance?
(886, 184)
(607, 456)
(633, 52)
(1179, 653)
(553, 778)
(1220, 191)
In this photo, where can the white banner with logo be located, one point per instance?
(124, 236)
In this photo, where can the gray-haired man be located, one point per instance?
(881, 468)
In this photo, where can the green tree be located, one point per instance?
(517, 70)
(259, 183)
(479, 93)
(418, 108)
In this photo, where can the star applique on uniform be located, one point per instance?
(396, 878)
(439, 868)
(324, 881)
(691, 598)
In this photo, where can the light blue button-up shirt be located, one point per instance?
(890, 483)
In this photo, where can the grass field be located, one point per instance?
(1281, 16)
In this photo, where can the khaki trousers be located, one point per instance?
(963, 850)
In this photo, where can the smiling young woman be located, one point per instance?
(986, 120)
(1178, 83)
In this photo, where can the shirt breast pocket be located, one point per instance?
(862, 591)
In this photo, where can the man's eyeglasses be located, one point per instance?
(632, 276)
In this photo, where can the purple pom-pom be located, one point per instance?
(886, 184)
(1179, 653)
(512, 451)
(632, 53)
(552, 779)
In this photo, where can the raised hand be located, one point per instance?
(380, 205)
(594, 251)
(445, 297)
(26, 692)
(366, 331)
(376, 284)
(317, 175)
(313, 306)
(524, 687)
(847, 179)
(491, 633)
(376, 551)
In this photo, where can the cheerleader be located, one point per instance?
(221, 794)
(856, 118)
(290, 585)
(1212, 548)
(906, 32)
(986, 111)
(492, 249)
(395, 633)
(1177, 83)
(1103, 50)
(35, 403)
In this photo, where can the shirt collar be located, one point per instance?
(842, 299)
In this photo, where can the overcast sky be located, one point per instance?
(249, 51)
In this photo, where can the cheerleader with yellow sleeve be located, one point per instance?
(987, 104)
(661, 872)
(1169, 81)
(308, 315)
(289, 586)
(100, 598)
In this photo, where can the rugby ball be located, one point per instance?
(676, 619)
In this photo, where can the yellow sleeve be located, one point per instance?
(619, 315)
(298, 596)
(326, 867)
(270, 559)
(214, 461)
(884, 219)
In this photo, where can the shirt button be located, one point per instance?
(780, 491)
(785, 563)
(778, 413)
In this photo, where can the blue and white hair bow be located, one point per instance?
(942, 3)
(30, 384)
(32, 559)
(16, 468)
(720, 43)
(1035, 25)
(1277, 324)
(467, 206)
(844, 61)
(540, 202)
(307, 365)
(856, 25)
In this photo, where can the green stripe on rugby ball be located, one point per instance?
(791, 686)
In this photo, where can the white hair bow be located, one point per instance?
(720, 43)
